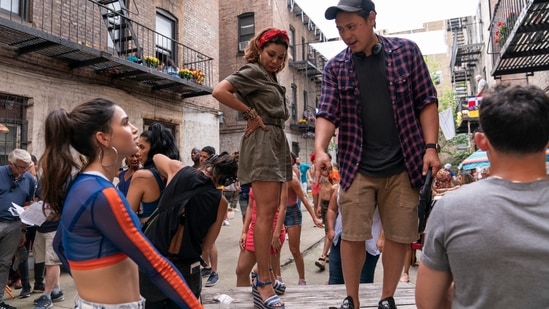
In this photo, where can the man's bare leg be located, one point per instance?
(393, 261)
(353, 255)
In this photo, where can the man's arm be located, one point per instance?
(433, 288)
(429, 124)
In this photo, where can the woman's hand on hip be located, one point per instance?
(253, 124)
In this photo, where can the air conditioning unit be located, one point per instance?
(242, 45)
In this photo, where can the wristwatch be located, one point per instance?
(433, 146)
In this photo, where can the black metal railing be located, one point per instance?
(519, 36)
(83, 22)
(506, 13)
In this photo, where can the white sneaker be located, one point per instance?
(226, 222)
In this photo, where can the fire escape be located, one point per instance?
(311, 66)
(519, 36)
(465, 58)
(100, 36)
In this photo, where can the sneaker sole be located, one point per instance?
(209, 285)
(59, 299)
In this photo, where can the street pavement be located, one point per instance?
(312, 239)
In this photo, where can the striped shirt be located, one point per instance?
(410, 88)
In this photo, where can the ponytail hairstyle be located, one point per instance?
(63, 130)
(162, 141)
(223, 168)
(264, 39)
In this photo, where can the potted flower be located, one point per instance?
(152, 61)
(185, 73)
(198, 76)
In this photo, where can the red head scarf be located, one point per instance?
(272, 34)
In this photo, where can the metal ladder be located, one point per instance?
(119, 26)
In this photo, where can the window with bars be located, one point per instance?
(13, 129)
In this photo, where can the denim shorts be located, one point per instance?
(293, 217)
(79, 303)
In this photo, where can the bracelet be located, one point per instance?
(249, 114)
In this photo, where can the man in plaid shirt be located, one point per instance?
(379, 93)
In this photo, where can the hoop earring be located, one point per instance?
(101, 157)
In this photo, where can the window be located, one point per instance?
(295, 148)
(292, 43)
(17, 7)
(246, 30)
(293, 103)
(165, 39)
(12, 116)
(11, 6)
(303, 47)
(305, 100)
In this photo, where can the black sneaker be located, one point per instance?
(38, 288)
(3, 305)
(387, 303)
(43, 302)
(25, 292)
(205, 272)
(57, 297)
(212, 279)
(347, 304)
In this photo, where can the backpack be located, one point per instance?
(165, 220)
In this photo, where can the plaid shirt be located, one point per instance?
(410, 88)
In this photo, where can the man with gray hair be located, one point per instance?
(16, 186)
(482, 85)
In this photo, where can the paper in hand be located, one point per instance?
(33, 215)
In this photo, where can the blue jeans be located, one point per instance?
(294, 216)
(336, 273)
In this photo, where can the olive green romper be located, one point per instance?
(264, 156)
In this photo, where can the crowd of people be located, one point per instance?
(145, 235)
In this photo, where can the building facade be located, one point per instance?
(505, 42)
(58, 54)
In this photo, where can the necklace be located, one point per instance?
(517, 181)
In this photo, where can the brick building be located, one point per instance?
(241, 20)
(58, 54)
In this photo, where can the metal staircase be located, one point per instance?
(119, 26)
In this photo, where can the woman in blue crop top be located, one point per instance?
(99, 239)
(146, 186)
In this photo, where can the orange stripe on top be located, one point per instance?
(130, 230)
(98, 263)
